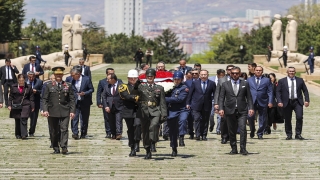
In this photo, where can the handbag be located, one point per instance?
(18, 106)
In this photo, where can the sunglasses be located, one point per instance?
(235, 73)
(194, 73)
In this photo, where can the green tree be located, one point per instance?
(309, 15)
(11, 18)
(167, 49)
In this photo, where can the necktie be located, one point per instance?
(235, 88)
(114, 89)
(203, 87)
(59, 85)
(150, 86)
(258, 82)
(8, 72)
(32, 67)
(292, 88)
(183, 70)
(78, 85)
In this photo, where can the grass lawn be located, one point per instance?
(274, 67)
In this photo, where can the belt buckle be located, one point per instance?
(149, 103)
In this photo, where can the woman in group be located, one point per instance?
(272, 112)
(20, 105)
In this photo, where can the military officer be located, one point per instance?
(38, 56)
(152, 110)
(128, 112)
(310, 60)
(178, 113)
(58, 105)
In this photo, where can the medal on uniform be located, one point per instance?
(149, 103)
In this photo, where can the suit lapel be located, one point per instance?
(229, 83)
(286, 84)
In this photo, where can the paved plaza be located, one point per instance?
(101, 158)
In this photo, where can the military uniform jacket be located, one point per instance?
(156, 95)
(177, 101)
(59, 102)
(130, 99)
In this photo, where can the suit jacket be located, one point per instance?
(197, 99)
(69, 79)
(87, 71)
(263, 93)
(87, 88)
(228, 100)
(186, 69)
(42, 93)
(218, 89)
(101, 85)
(37, 85)
(189, 82)
(283, 91)
(110, 100)
(13, 72)
(59, 102)
(37, 67)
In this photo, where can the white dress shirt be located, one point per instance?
(295, 87)
(8, 73)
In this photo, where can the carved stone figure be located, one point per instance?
(291, 34)
(77, 33)
(67, 32)
(277, 35)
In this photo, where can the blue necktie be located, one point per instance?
(204, 87)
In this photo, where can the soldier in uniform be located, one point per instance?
(152, 110)
(178, 113)
(310, 60)
(284, 56)
(38, 56)
(58, 105)
(130, 106)
(66, 54)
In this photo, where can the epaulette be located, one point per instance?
(123, 87)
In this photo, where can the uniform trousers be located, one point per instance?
(134, 130)
(21, 127)
(173, 125)
(59, 131)
(183, 122)
(150, 130)
(190, 123)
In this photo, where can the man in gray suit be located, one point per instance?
(223, 122)
(234, 102)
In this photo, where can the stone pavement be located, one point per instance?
(100, 158)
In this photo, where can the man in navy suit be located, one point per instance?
(38, 56)
(83, 89)
(200, 101)
(195, 76)
(36, 85)
(32, 66)
(85, 70)
(262, 96)
(183, 68)
(113, 105)
(289, 96)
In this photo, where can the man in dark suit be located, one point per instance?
(59, 106)
(183, 68)
(32, 66)
(85, 70)
(262, 95)
(113, 105)
(8, 77)
(223, 122)
(234, 102)
(289, 96)
(36, 85)
(38, 56)
(195, 76)
(200, 101)
(83, 89)
(85, 52)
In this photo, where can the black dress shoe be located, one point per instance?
(165, 137)
(181, 142)
(204, 138)
(233, 151)
(211, 128)
(108, 136)
(18, 136)
(198, 138)
(174, 152)
(299, 137)
(153, 147)
(31, 135)
(243, 152)
(64, 150)
(56, 151)
(218, 133)
(260, 137)
(191, 136)
(289, 138)
(75, 136)
(224, 141)
(137, 146)
(148, 155)
(24, 137)
(251, 134)
(51, 146)
(133, 152)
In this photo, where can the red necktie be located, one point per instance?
(32, 67)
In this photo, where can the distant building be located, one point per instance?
(123, 16)
(252, 13)
(56, 21)
(310, 2)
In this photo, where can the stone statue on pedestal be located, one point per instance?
(77, 33)
(291, 34)
(67, 32)
(277, 35)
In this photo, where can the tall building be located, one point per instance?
(310, 2)
(56, 21)
(252, 13)
(123, 16)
